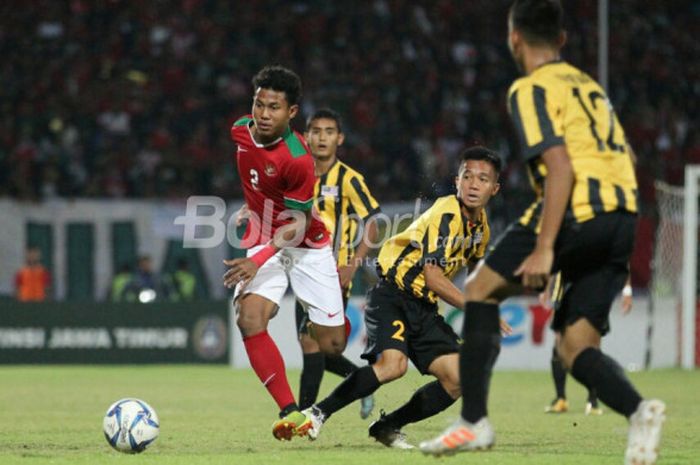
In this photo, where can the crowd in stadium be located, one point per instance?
(136, 100)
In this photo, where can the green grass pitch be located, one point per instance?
(215, 415)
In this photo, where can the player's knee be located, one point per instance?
(250, 323)
(332, 345)
(389, 368)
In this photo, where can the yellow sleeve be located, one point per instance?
(537, 117)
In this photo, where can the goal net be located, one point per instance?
(673, 292)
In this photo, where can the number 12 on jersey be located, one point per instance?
(600, 114)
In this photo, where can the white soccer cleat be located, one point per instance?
(645, 433)
(462, 436)
(317, 418)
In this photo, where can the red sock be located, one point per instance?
(267, 362)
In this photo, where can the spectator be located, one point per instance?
(145, 284)
(120, 285)
(33, 280)
(182, 283)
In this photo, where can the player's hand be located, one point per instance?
(241, 270)
(626, 304)
(242, 215)
(536, 268)
(346, 273)
(506, 329)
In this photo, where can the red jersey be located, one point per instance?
(276, 177)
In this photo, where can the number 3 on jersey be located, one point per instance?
(254, 178)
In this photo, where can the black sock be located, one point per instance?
(558, 374)
(595, 370)
(480, 347)
(361, 383)
(427, 401)
(310, 381)
(340, 365)
(592, 397)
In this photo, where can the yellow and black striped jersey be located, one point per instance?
(558, 104)
(343, 200)
(441, 236)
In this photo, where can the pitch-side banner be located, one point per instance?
(114, 333)
(528, 347)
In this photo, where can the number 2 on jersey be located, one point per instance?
(597, 116)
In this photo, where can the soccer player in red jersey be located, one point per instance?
(286, 243)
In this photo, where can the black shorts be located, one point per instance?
(592, 256)
(302, 317)
(397, 320)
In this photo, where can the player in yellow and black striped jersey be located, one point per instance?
(346, 206)
(581, 225)
(443, 236)
(401, 314)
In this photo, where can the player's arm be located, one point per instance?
(435, 255)
(437, 282)
(536, 268)
(366, 207)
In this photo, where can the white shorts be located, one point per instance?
(314, 279)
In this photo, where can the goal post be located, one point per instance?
(673, 291)
(690, 267)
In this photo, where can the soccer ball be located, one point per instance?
(130, 425)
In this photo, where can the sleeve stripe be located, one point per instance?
(298, 204)
(360, 192)
(548, 137)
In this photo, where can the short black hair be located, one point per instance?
(480, 152)
(281, 79)
(326, 113)
(540, 21)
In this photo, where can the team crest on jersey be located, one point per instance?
(477, 237)
(331, 191)
(270, 170)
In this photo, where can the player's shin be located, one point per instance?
(310, 380)
(595, 370)
(480, 348)
(427, 401)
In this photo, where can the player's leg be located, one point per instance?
(595, 282)
(313, 361)
(491, 282)
(559, 404)
(386, 350)
(434, 349)
(256, 304)
(314, 280)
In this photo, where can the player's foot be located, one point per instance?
(366, 406)
(645, 433)
(462, 436)
(558, 405)
(317, 418)
(294, 424)
(388, 435)
(593, 409)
